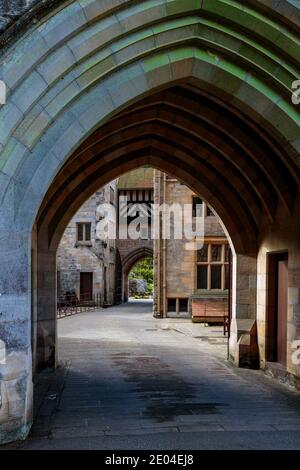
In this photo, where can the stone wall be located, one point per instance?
(175, 259)
(74, 258)
(282, 236)
(128, 247)
(132, 250)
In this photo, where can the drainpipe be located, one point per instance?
(157, 242)
(164, 251)
(229, 302)
(159, 249)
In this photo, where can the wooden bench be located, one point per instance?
(210, 310)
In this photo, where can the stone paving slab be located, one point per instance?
(132, 387)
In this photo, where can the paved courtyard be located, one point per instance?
(129, 381)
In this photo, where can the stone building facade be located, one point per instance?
(190, 280)
(85, 263)
(137, 187)
(191, 276)
(94, 268)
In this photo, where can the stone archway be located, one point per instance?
(129, 261)
(96, 89)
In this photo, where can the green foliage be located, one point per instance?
(150, 288)
(143, 269)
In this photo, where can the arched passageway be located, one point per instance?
(129, 262)
(124, 266)
(199, 90)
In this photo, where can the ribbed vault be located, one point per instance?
(217, 152)
(205, 92)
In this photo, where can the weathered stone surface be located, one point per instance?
(15, 395)
(127, 364)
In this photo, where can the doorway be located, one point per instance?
(105, 284)
(277, 307)
(86, 286)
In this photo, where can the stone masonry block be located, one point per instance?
(133, 50)
(127, 85)
(29, 91)
(97, 111)
(10, 115)
(12, 156)
(15, 334)
(35, 130)
(93, 8)
(175, 7)
(68, 141)
(63, 99)
(56, 65)
(63, 24)
(29, 50)
(140, 14)
(94, 39)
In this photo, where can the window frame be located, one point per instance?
(84, 240)
(112, 195)
(209, 263)
(206, 211)
(176, 306)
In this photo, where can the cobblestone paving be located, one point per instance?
(130, 381)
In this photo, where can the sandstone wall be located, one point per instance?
(74, 258)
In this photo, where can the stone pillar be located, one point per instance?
(16, 397)
(157, 281)
(46, 318)
(282, 236)
(293, 326)
(243, 349)
(157, 252)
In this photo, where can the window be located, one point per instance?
(197, 206)
(202, 208)
(213, 266)
(216, 252)
(183, 305)
(84, 232)
(171, 305)
(202, 277)
(177, 305)
(202, 254)
(112, 195)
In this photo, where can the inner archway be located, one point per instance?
(222, 166)
(143, 254)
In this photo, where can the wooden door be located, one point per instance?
(86, 286)
(282, 307)
(277, 308)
